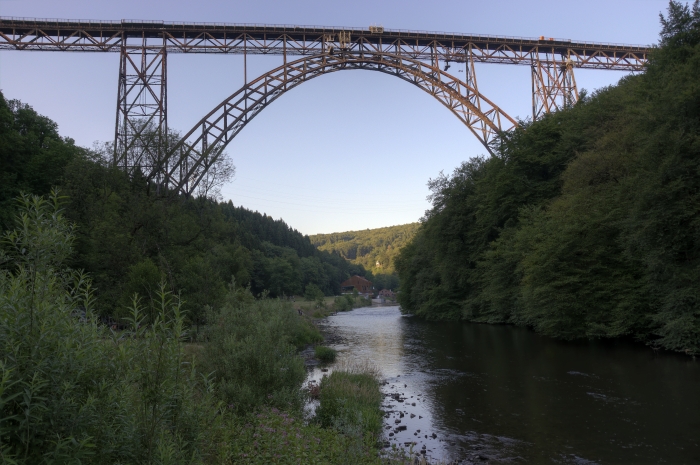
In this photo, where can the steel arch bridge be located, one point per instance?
(141, 131)
(190, 159)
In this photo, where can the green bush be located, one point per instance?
(313, 293)
(272, 436)
(71, 391)
(252, 352)
(350, 401)
(345, 303)
(325, 354)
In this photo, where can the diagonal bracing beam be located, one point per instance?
(190, 159)
(141, 130)
(553, 84)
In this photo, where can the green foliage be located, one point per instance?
(349, 402)
(72, 392)
(252, 353)
(369, 247)
(32, 155)
(325, 354)
(275, 437)
(586, 223)
(374, 249)
(130, 234)
(312, 293)
(347, 302)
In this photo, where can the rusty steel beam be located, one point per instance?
(190, 159)
(141, 132)
(553, 87)
(112, 36)
(141, 128)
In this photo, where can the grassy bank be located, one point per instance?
(329, 305)
(349, 404)
(350, 400)
(73, 390)
(325, 354)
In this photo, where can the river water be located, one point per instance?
(502, 394)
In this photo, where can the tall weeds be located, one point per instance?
(74, 391)
(349, 402)
(71, 391)
(252, 352)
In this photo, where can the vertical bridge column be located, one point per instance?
(474, 97)
(141, 132)
(553, 83)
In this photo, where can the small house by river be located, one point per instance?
(362, 285)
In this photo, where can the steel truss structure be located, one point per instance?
(199, 148)
(141, 132)
(140, 138)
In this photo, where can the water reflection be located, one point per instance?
(505, 394)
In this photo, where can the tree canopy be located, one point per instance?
(585, 223)
(130, 238)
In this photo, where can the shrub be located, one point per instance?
(325, 354)
(70, 390)
(313, 293)
(271, 436)
(252, 352)
(350, 401)
(342, 303)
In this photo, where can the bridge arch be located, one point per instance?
(185, 165)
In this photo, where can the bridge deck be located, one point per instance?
(110, 36)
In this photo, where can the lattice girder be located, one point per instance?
(189, 159)
(141, 126)
(109, 36)
(553, 85)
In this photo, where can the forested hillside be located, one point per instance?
(374, 249)
(129, 239)
(586, 223)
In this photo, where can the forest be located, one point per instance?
(586, 223)
(129, 239)
(374, 249)
(142, 326)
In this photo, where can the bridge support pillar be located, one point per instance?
(141, 132)
(553, 85)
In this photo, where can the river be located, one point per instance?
(502, 394)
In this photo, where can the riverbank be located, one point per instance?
(476, 393)
(77, 390)
(577, 229)
(328, 305)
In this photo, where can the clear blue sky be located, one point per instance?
(346, 151)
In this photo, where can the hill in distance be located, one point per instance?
(375, 249)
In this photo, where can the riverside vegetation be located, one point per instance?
(586, 223)
(129, 238)
(73, 390)
(139, 326)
